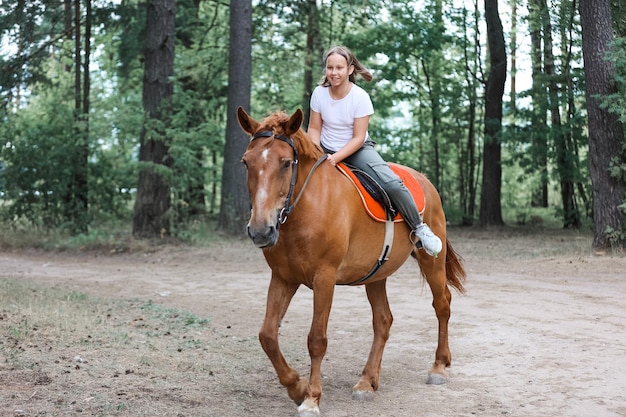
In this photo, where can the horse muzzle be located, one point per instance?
(263, 237)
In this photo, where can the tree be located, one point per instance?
(153, 191)
(554, 126)
(559, 133)
(606, 132)
(42, 62)
(77, 201)
(199, 107)
(539, 125)
(513, 44)
(490, 198)
(235, 203)
(311, 59)
(468, 160)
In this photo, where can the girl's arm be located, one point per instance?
(315, 127)
(358, 137)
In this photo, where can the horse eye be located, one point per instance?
(286, 164)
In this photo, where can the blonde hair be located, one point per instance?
(359, 69)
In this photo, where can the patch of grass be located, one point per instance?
(110, 237)
(37, 318)
(173, 316)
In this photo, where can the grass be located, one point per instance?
(51, 318)
(173, 315)
(110, 237)
(67, 353)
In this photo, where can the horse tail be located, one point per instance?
(455, 273)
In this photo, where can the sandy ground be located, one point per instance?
(540, 332)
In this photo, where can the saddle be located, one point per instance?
(375, 199)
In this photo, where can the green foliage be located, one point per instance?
(37, 166)
(278, 57)
(615, 237)
(197, 124)
(41, 138)
(427, 91)
(37, 171)
(29, 27)
(420, 94)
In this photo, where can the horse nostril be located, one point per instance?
(263, 237)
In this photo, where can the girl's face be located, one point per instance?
(338, 70)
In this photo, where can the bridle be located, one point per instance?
(288, 208)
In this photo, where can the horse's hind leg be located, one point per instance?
(279, 296)
(434, 269)
(381, 321)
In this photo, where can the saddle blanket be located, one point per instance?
(375, 209)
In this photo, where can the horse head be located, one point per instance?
(271, 161)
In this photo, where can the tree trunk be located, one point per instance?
(76, 198)
(312, 57)
(469, 177)
(568, 14)
(434, 89)
(82, 167)
(539, 124)
(606, 133)
(564, 157)
(235, 203)
(490, 198)
(513, 57)
(67, 23)
(153, 192)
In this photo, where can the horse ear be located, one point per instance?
(295, 121)
(247, 123)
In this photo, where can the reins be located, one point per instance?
(288, 208)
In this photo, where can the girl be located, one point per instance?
(340, 112)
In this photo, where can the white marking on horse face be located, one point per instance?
(262, 213)
(261, 196)
(260, 200)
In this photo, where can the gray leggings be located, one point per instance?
(367, 159)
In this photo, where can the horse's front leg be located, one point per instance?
(381, 321)
(323, 291)
(279, 296)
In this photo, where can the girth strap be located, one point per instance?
(384, 255)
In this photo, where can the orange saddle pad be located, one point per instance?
(376, 209)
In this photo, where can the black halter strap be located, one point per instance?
(284, 213)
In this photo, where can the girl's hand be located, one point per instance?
(332, 160)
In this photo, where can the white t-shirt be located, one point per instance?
(338, 115)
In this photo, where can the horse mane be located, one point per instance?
(277, 122)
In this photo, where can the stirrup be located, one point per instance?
(415, 240)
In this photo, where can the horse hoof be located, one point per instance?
(308, 413)
(436, 379)
(305, 410)
(362, 395)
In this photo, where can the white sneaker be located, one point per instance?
(430, 242)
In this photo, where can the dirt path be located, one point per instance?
(539, 333)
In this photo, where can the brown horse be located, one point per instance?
(311, 225)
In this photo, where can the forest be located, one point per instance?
(118, 116)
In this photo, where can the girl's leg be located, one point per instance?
(370, 161)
